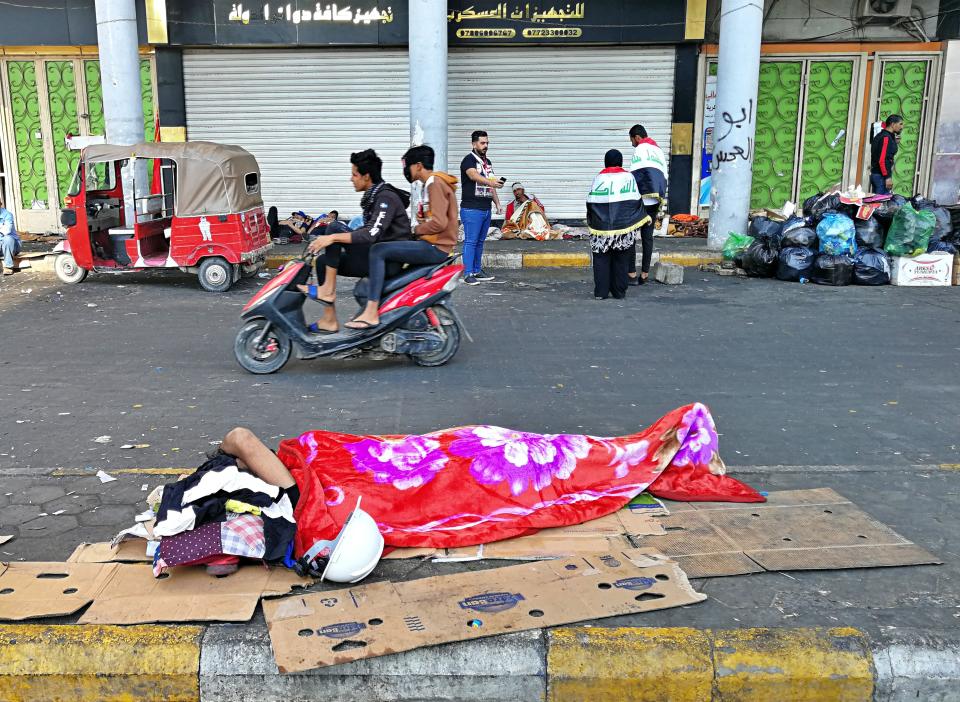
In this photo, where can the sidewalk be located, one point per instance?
(522, 253)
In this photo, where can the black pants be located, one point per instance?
(398, 252)
(350, 260)
(610, 273)
(646, 242)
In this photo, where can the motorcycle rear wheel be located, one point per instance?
(450, 345)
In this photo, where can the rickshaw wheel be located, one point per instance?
(261, 356)
(67, 269)
(215, 274)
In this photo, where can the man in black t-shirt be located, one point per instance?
(479, 194)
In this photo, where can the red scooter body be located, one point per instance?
(416, 320)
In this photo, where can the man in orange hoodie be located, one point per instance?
(436, 230)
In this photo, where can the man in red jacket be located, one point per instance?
(883, 149)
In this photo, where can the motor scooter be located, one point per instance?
(416, 320)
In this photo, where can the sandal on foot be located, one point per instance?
(313, 293)
(352, 324)
(317, 330)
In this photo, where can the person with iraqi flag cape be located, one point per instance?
(615, 215)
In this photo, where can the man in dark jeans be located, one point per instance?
(348, 252)
(479, 194)
(883, 150)
(649, 168)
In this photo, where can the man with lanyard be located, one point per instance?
(479, 193)
(649, 168)
(9, 241)
(883, 149)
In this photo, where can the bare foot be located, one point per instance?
(364, 321)
(323, 325)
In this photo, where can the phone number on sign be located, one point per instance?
(552, 33)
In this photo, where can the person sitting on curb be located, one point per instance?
(436, 232)
(9, 240)
(348, 252)
(525, 217)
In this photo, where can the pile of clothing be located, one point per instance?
(216, 516)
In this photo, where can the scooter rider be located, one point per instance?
(348, 253)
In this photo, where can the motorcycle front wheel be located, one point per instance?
(261, 353)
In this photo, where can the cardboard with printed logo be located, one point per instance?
(326, 628)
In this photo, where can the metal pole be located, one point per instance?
(120, 76)
(428, 77)
(735, 124)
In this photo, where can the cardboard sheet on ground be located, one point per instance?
(601, 535)
(129, 594)
(325, 628)
(129, 551)
(794, 530)
(5, 539)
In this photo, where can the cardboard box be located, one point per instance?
(794, 530)
(129, 594)
(925, 270)
(325, 628)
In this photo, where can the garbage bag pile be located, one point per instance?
(830, 244)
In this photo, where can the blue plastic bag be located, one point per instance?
(837, 235)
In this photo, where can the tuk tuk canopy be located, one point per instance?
(212, 179)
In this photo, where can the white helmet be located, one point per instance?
(356, 550)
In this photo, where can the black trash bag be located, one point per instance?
(795, 262)
(922, 203)
(941, 247)
(809, 203)
(829, 269)
(802, 236)
(869, 233)
(760, 259)
(887, 209)
(871, 268)
(792, 223)
(944, 227)
(824, 204)
(765, 228)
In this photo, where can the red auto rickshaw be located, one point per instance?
(194, 206)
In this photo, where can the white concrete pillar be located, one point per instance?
(735, 123)
(118, 46)
(428, 77)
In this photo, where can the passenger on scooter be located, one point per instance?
(348, 253)
(436, 232)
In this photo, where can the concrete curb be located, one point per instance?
(504, 260)
(226, 662)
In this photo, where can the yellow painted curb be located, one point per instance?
(99, 663)
(687, 260)
(681, 665)
(793, 665)
(554, 260)
(629, 665)
(277, 261)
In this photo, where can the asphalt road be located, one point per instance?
(849, 388)
(797, 375)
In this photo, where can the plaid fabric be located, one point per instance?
(242, 535)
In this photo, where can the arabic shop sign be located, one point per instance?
(279, 12)
(385, 22)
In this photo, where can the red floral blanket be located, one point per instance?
(477, 484)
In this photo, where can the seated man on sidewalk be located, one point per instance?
(525, 217)
(9, 241)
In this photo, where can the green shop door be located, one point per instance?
(803, 119)
(904, 89)
(46, 100)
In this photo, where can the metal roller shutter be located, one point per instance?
(552, 112)
(301, 113)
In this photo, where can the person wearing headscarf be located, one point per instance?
(615, 215)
